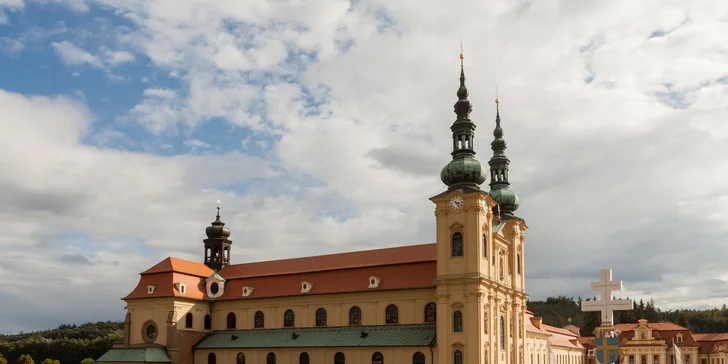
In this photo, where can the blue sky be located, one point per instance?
(322, 126)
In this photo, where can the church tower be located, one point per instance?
(479, 285)
(217, 244)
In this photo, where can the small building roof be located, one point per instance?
(344, 336)
(138, 355)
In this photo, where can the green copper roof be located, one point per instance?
(345, 336)
(144, 355)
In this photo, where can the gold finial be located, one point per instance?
(497, 100)
(569, 319)
(218, 203)
(462, 56)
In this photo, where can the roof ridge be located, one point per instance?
(339, 254)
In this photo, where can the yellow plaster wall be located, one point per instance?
(400, 355)
(198, 310)
(411, 305)
(149, 309)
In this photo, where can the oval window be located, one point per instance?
(214, 288)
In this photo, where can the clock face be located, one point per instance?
(456, 202)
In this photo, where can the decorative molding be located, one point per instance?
(457, 306)
(443, 297)
(457, 345)
(474, 296)
(456, 226)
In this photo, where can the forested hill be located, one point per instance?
(68, 344)
(556, 311)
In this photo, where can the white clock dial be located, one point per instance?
(456, 202)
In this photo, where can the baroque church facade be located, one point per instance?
(459, 300)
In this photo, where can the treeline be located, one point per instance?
(68, 344)
(556, 311)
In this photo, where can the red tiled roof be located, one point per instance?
(364, 258)
(165, 286)
(710, 337)
(558, 330)
(180, 266)
(654, 325)
(662, 331)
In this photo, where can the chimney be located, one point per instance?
(536, 321)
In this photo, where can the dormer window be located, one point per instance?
(182, 288)
(150, 289)
(374, 282)
(247, 291)
(679, 338)
(306, 287)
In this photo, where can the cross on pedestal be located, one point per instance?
(605, 303)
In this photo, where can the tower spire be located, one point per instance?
(499, 186)
(217, 244)
(464, 171)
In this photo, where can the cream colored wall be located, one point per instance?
(149, 309)
(198, 310)
(399, 355)
(713, 358)
(537, 351)
(411, 305)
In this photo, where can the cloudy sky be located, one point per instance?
(322, 125)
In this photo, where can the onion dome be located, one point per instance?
(499, 187)
(464, 170)
(217, 230)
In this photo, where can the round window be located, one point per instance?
(149, 331)
(214, 288)
(304, 286)
(372, 282)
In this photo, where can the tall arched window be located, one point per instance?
(240, 359)
(518, 263)
(289, 319)
(208, 322)
(430, 312)
(457, 321)
(303, 358)
(485, 247)
(211, 358)
(500, 268)
(502, 333)
(339, 358)
(418, 358)
(259, 321)
(457, 357)
(457, 244)
(391, 315)
(231, 322)
(188, 320)
(271, 358)
(355, 316)
(321, 317)
(377, 358)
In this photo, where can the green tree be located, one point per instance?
(25, 359)
(50, 361)
(87, 361)
(2, 359)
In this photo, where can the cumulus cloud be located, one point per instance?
(613, 114)
(72, 55)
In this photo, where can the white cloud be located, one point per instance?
(73, 55)
(118, 57)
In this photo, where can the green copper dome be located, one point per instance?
(507, 200)
(463, 171)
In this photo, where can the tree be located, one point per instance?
(25, 359)
(87, 361)
(2, 359)
(50, 361)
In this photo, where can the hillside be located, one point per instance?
(69, 344)
(557, 310)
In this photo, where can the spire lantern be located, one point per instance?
(217, 244)
(507, 200)
(464, 170)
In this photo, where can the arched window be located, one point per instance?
(418, 358)
(271, 358)
(231, 322)
(377, 358)
(518, 263)
(457, 245)
(321, 317)
(240, 359)
(430, 312)
(259, 322)
(458, 357)
(303, 358)
(289, 319)
(485, 247)
(355, 316)
(500, 268)
(188, 320)
(211, 358)
(502, 333)
(208, 322)
(457, 321)
(391, 315)
(339, 358)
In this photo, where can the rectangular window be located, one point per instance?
(656, 359)
(631, 359)
(703, 361)
(643, 359)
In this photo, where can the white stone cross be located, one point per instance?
(605, 303)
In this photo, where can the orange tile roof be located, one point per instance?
(180, 266)
(358, 259)
(710, 337)
(558, 330)
(654, 325)
(165, 286)
(662, 331)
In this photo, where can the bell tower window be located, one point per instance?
(457, 321)
(457, 244)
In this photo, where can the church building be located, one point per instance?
(461, 299)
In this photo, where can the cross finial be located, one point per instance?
(497, 99)
(218, 208)
(462, 55)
